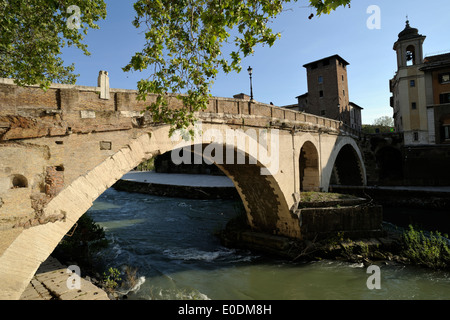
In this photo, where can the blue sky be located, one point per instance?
(278, 73)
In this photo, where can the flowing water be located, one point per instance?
(172, 244)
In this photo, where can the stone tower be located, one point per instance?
(328, 94)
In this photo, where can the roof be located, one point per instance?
(438, 58)
(302, 95)
(409, 33)
(356, 106)
(336, 56)
(437, 61)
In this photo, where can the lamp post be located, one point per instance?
(250, 72)
(339, 112)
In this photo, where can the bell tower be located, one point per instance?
(408, 88)
(409, 47)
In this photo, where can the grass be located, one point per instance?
(323, 196)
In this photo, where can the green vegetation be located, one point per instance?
(312, 196)
(384, 124)
(372, 129)
(81, 243)
(148, 165)
(34, 32)
(111, 279)
(430, 250)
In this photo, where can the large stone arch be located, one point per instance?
(354, 168)
(266, 205)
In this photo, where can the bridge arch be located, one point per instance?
(390, 164)
(309, 167)
(265, 203)
(345, 165)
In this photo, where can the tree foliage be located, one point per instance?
(33, 33)
(384, 121)
(184, 43)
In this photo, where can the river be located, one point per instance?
(172, 244)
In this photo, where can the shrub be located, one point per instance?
(82, 242)
(431, 250)
(111, 279)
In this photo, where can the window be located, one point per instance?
(320, 79)
(321, 93)
(343, 92)
(412, 83)
(447, 132)
(322, 112)
(444, 98)
(342, 78)
(413, 106)
(416, 136)
(444, 78)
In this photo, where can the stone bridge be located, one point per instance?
(62, 148)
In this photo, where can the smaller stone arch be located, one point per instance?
(345, 161)
(309, 168)
(347, 168)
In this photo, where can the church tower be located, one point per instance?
(408, 88)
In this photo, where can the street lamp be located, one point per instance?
(250, 72)
(339, 112)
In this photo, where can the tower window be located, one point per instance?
(320, 79)
(416, 136)
(410, 56)
(343, 92)
(412, 83)
(413, 106)
(444, 98)
(444, 78)
(321, 93)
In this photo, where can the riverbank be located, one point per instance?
(187, 186)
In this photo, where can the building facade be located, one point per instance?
(420, 91)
